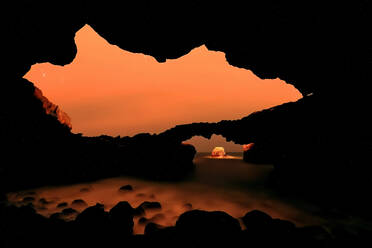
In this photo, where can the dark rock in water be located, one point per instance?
(200, 227)
(93, 219)
(138, 211)
(264, 231)
(127, 187)
(283, 226)
(152, 228)
(143, 221)
(157, 217)
(166, 236)
(28, 209)
(79, 203)
(43, 201)
(121, 208)
(256, 220)
(56, 216)
(100, 205)
(62, 205)
(259, 222)
(217, 221)
(69, 211)
(121, 218)
(150, 205)
(29, 199)
(188, 206)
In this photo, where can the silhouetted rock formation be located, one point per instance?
(79, 203)
(256, 220)
(93, 219)
(67, 214)
(62, 205)
(152, 228)
(150, 205)
(126, 188)
(201, 227)
(139, 211)
(121, 218)
(69, 211)
(43, 201)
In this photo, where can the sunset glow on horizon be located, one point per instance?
(106, 90)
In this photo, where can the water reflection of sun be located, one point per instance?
(219, 153)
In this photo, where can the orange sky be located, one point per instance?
(106, 90)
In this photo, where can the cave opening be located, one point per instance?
(107, 90)
(314, 185)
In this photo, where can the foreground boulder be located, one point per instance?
(153, 228)
(93, 218)
(121, 218)
(256, 220)
(92, 227)
(203, 227)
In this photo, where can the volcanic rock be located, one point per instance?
(79, 203)
(146, 205)
(202, 227)
(62, 205)
(256, 219)
(69, 211)
(121, 218)
(127, 187)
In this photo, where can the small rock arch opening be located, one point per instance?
(217, 147)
